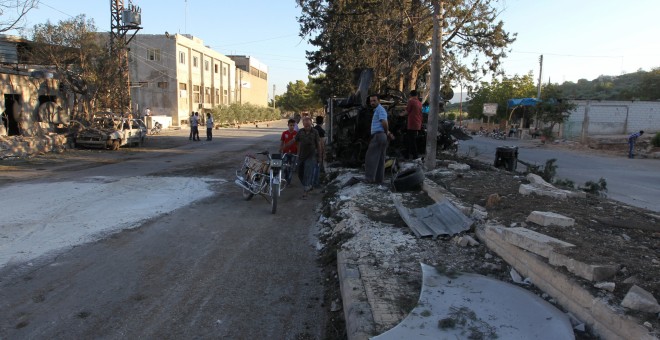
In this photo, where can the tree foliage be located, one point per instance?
(640, 85)
(393, 37)
(79, 56)
(500, 91)
(300, 96)
(12, 13)
(554, 108)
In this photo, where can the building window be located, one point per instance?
(206, 65)
(224, 71)
(217, 96)
(195, 62)
(196, 94)
(162, 84)
(183, 90)
(182, 57)
(225, 96)
(153, 54)
(216, 68)
(207, 95)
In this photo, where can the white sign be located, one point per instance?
(490, 109)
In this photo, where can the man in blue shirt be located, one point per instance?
(374, 161)
(631, 142)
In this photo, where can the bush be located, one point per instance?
(595, 188)
(656, 140)
(243, 113)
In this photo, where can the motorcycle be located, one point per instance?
(156, 129)
(261, 177)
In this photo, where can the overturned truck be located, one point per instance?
(349, 125)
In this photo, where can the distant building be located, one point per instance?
(175, 75)
(252, 76)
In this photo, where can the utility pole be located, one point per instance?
(273, 96)
(436, 58)
(123, 20)
(538, 90)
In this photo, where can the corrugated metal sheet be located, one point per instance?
(8, 53)
(441, 218)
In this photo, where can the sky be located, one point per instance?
(578, 39)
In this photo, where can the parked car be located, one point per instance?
(108, 131)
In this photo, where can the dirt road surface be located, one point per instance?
(218, 267)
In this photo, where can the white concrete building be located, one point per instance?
(175, 75)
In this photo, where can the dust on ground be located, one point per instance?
(363, 220)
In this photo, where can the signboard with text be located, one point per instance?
(490, 109)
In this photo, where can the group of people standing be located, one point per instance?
(194, 126)
(307, 144)
(374, 161)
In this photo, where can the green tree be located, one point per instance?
(553, 108)
(393, 37)
(83, 65)
(649, 88)
(500, 91)
(299, 97)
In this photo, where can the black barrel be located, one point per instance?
(506, 156)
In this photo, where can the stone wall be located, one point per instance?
(596, 118)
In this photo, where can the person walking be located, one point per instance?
(319, 167)
(414, 110)
(194, 124)
(374, 161)
(209, 126)
(309, 148)
(631, 143)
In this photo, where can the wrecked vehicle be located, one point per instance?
(111, 132)
(349, 128)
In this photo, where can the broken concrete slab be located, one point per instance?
(540, 187)
(606, 321)
(357, 311)
(458, 167)
(533, 241)
(546, 219)
(641, 300)
(471, 305)
(587, 271)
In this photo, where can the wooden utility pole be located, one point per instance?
(436, 57)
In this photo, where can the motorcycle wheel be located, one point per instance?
(275, 194)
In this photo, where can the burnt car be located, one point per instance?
(108, 131)
(349, 128)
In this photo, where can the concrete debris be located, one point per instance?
(517, 278)
(471, 241)
(580, 328)
(648, 325)
(491, 266)
(631, 280)
(546, 218)
(21, 146)
(335, 306)
(641, 300)
(488, 256)
(461, 241)
(626, 237)
(458, 167)
(608, 286)
(540, 187)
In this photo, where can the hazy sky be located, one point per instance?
(579, 39)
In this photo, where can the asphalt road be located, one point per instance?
(632, 181)
(219, 268)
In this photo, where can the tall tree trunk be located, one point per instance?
(432, 129)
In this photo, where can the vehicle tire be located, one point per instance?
(247, 195)
(115, 145)
(274, 196)
(407, 180)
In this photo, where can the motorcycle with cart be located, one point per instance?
(262, 177)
